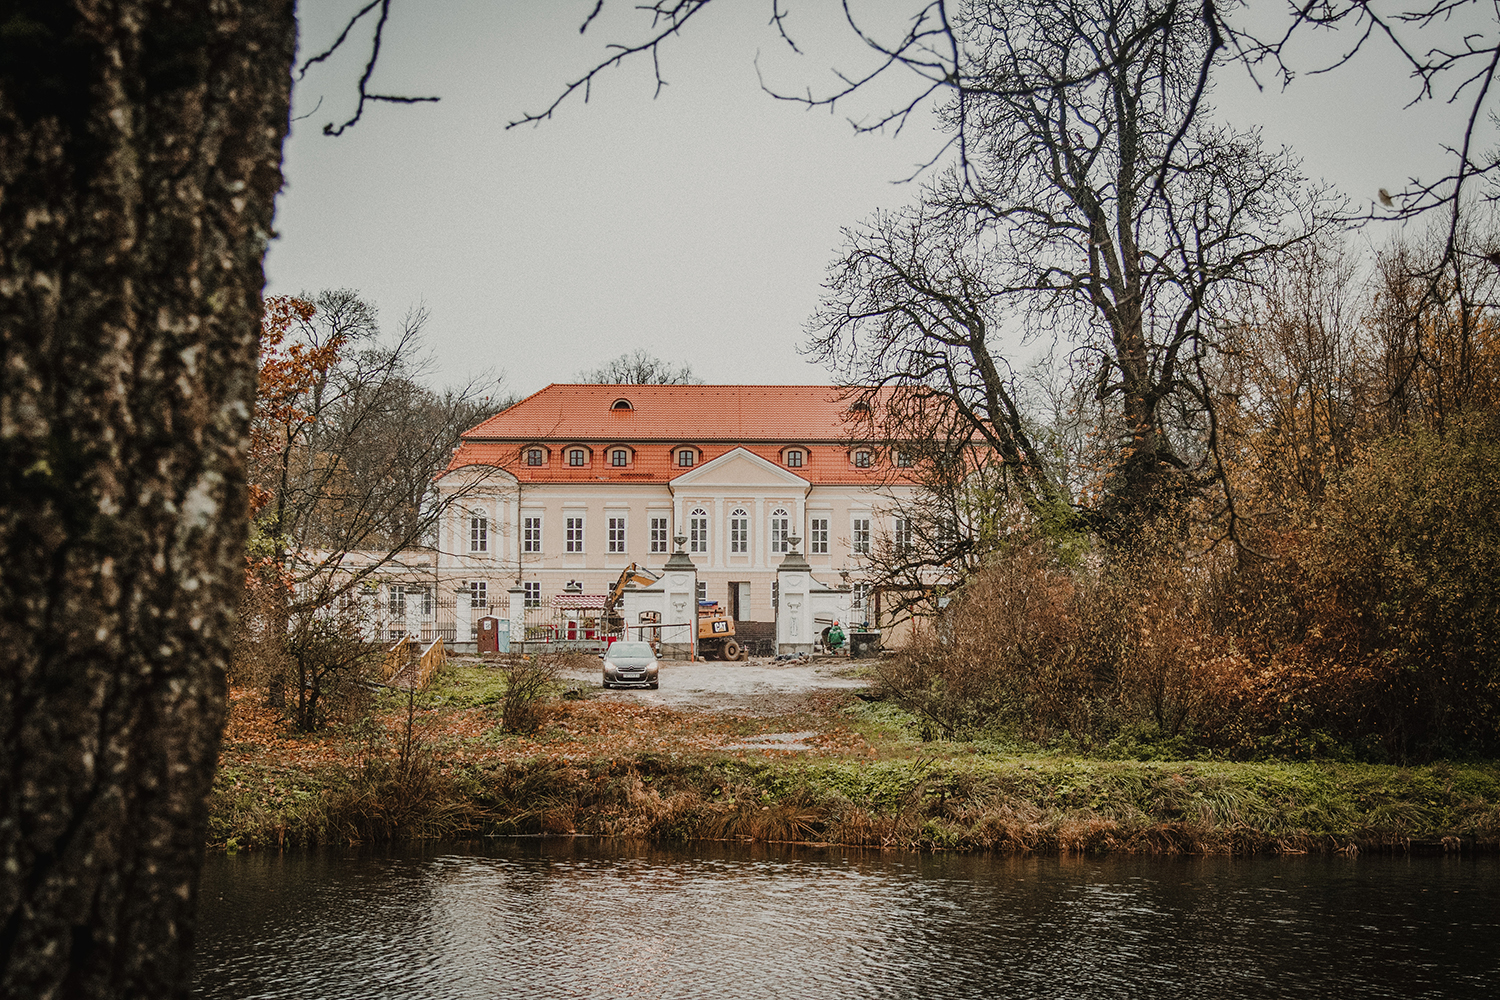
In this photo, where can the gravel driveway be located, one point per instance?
(756, 685)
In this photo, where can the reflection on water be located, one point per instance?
(583, 918)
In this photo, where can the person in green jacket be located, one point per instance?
(835, 637)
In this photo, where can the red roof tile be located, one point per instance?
(715, 419)
(670, 413)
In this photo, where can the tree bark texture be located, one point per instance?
(140, 152)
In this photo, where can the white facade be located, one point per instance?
(736, 513)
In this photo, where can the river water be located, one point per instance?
(587, 918)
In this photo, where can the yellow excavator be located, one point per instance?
(716, 639)
(614, 622)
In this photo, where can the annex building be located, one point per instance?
(561, 492)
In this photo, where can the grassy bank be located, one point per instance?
(615, 768)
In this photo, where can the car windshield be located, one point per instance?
(630, 651)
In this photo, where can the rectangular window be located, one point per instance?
(617, 533)
(685, 459)
(817, 542)
(794, 460)
(778, 535)
(479, 594)
(739, 534)
(658, 534)
(533, 598)
(479, 533)
(861, 536)
(427, 602)
(575, 457)
(902, 537)
(698, 534)
(397, 600)
(531, 538)
(861, 459)
(702, 591)
(533, 456)
(861, 597)
(903, 460)
(620, 457)
(575, 534)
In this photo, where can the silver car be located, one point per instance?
(630, 664)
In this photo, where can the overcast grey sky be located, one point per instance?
(697, 225)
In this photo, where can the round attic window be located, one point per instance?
(621, 404)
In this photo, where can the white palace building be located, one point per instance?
(554, 497)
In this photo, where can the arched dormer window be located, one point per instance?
(576, 455)
(861, 458)
(685, 456)
(534, 455)
(618, 456)
(794, 458)
(621, 404)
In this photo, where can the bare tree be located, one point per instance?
(354, 445)
(639, 367)
(1098, 210)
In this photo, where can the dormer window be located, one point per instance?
(577, 456)
(794, 459)
(619, 457)
(621, 404)
(862, 459)
(533, 456)
(903, 459)
(685, 458)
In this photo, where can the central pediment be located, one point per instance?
(739, 469)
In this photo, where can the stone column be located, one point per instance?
(796, 632)
(462, 614)
(517, 619)
(414, 612)
(680, 583)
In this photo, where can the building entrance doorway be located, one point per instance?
(739, 601)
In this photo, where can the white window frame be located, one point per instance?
(901, 536)
(533, 595)
(702, 591)
(573, 533)
(531, 533)
(739, 531)
(617, 533)
(781, 521)
(859, 600)
(698, 530)
(479, 532)
(428, 602)
(817, 540)
(859, 536)
(479, 594)
(396, 600)
(660, 534)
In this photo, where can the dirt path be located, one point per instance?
(758, 686)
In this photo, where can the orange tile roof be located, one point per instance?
(739, 413)
(715, 419)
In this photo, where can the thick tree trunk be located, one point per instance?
(140, 150)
